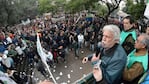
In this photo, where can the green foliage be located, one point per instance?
(136, 10)
(50, 5)
(79, 5)
(44, 6)
(101, 9)
(104, 8)
(74, 6)
(6, 12)
(3, 16)
(13, 11)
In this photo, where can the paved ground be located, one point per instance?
(69, 72)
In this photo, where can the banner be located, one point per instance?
(26, 22)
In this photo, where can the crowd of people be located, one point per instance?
(126, 64)
(123, 48)
(18, 44)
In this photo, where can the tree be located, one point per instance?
(6, 12)
(50, 5)
(12, 11)
(44, 6)
(136, 10)
(100, 9)
(79, 5)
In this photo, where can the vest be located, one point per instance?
(132, 59)
(125, 34)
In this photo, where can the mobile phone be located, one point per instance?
(97, 65)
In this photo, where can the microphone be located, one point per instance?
(98, 50)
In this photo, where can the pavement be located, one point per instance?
(67, 72)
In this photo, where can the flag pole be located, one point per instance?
(43, 58)
(50, 73)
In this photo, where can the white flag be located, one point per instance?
(146, 12)
(44, 57)
(41, 52)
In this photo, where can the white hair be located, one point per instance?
(145, 39)
(114, 29)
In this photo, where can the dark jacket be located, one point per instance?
(112, 65)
